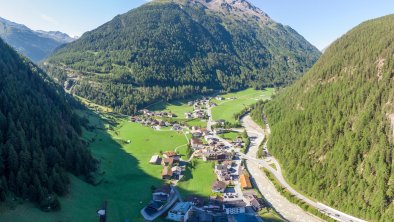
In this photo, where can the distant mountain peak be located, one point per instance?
(59, 36)
(235, 6)
(240, 8)
(36, 45)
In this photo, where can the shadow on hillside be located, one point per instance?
(187, 175)
(125, 186)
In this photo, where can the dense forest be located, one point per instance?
(332, 129)
(39, 135)
(173, 49)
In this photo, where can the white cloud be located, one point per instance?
(49, 19)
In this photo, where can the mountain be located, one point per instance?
(36, 45)
(56, 35)
(333, 129)
(39, 135)
(171, 49)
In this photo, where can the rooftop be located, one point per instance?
(245, 181)
(219, 185)
(164, 189)
(181, 207)
(166, 171)
(234, 204)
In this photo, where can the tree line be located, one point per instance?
(39, 135)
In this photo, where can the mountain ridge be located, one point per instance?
(36, 45)
(174, 49)
(242, 8)
(338, 122)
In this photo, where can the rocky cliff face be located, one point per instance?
(241, 8)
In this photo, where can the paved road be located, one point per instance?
(173, 199)
(282, 205)
(288, 210)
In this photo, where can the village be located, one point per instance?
(233, 197)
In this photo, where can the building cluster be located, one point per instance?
(172, 166)
(160, 114)
(199, 109)
(162, 198)
(198, 209)
(232, 189)
(151, 122)
(209, 148)
(233, 195)
(216, 208)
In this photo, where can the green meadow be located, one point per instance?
(227, 108)
(198, 179)
(178, 107)
(127, 177)
(231, 135)
(197, 122)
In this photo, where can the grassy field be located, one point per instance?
(228, 107)
(198, 179)
(269, 215)
(231, 135)
(197, 122)
(178, 107)
(128, 177)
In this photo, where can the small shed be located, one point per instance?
(155, 160)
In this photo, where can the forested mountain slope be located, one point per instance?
(39, 134)
(36, 45)
(169, 49)
(333, 129)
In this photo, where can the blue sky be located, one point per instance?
(320, 22)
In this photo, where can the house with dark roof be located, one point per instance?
(223, 172)
(219, 186)
(179, 211)
(177, 127)
(162, 194)
(196, 143)
(215, 204)
(234, 207)
(256, 204)
(196, 201)
(197, 215)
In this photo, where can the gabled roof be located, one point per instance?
(164, 189)
(170, 153)
(154, 159)
(234, 204)
(219, 185)
(196, 141)
(245, 181)
(168, 161)
(167, 172)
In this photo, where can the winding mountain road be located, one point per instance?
(288, 210)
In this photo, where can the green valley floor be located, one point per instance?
(127, 179)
